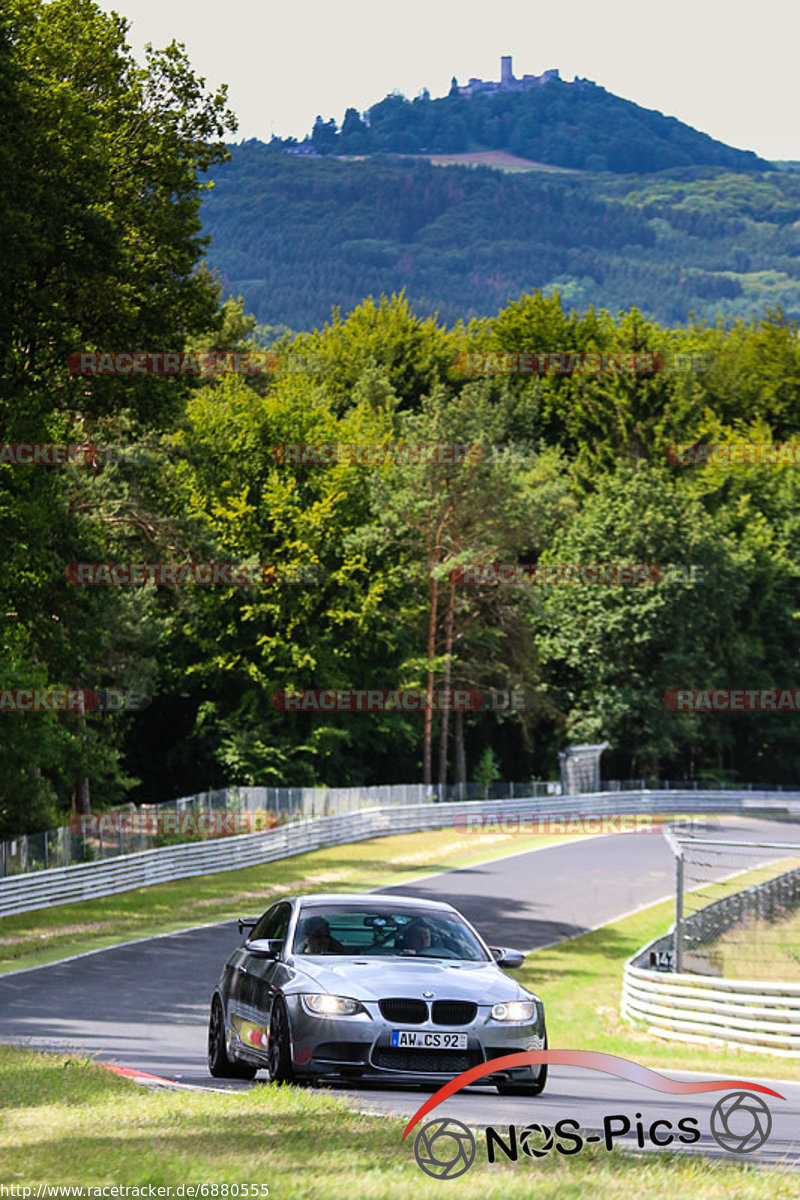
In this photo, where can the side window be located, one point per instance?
(274, 923)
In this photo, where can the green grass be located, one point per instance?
(579, 980)
(66, 1121)
(580, 983)
(46, 935)
(759, 949)
(705, 893)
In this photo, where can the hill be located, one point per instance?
(578, 125)
(296, 235)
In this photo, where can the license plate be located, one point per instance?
(418, 1039)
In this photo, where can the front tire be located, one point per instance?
(526, 1089)
(219, 1065)
(279, 1050)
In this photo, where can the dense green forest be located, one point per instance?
(103, 221)
(295, 237)
(574, 124)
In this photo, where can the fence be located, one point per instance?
(69, 844)
(655, 785)
(766, 902)
(110, 835)
(761, 1016)
(85, 881)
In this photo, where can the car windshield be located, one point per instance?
(386, 931)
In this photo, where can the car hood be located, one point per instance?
(376, 978)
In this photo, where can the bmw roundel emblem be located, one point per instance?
(428, 995)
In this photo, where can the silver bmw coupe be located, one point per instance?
(371, 986)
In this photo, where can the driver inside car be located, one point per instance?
(417, 938)
(317, 938)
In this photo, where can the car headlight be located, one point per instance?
(331, 1006)
(514, 1010)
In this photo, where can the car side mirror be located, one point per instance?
(505, 957)
(264, 948)
(247, 923)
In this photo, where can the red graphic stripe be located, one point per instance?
(593, 1060)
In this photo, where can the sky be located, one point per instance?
(726, 67)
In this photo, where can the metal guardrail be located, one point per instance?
(750, 1015)
(129, 829)
(85, 881)
(686, 1006)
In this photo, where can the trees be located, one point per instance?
(100, 171)
(298, 235)
(557, 123)
(714, 618)
(354, 135)
(324, 136)
(413, 354)
(100, 186)
(445, 513)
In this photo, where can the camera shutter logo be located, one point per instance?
(536, 1140)
(444, 1148)
(740, 1122)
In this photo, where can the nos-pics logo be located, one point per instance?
(445, 1148)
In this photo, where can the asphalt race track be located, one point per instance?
(145, 1005)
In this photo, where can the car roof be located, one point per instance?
(361, 898)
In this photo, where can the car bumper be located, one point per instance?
(360, 1047)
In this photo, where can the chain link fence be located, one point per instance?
(223, 812)
(200, 817)
(737, 911)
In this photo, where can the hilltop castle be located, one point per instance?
(507, 81)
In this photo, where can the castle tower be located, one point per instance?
(506, 73)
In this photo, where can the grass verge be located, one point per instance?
(30, 939)
(65, 1121)
(759, 949)
(580, 982)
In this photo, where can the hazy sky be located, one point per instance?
(727, 67)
